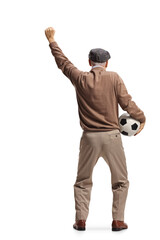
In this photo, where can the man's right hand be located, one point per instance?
(50, 32)
(141, 127)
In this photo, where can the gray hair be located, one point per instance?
(97, 63)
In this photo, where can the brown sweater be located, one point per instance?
(98, 93)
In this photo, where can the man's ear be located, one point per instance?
(106, 63)
(89, 62)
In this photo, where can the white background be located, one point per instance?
(39, 122)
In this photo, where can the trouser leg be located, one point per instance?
(113, 153)
(88, 156)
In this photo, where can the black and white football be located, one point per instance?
(128, 125)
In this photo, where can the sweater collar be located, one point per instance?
(96, 68)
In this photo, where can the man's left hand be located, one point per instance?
(140, 129)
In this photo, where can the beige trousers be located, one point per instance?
(107, 145)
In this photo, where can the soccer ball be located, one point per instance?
(128, 126)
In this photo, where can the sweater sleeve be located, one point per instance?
(63, 63)
(126, 102)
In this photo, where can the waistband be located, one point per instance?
(102, 132)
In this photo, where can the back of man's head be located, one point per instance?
(99, 56)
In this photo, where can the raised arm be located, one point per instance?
(63, 63)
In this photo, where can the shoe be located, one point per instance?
(118, 225)
(80, 225)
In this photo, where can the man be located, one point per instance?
(98, 94)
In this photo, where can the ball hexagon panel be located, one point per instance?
(123, 121)
(124, 133)
(134, 126)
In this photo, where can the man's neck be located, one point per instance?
(98, 66)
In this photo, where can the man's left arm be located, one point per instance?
(63, 63)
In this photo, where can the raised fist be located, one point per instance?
(49, 32)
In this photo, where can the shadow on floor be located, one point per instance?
(97, 228)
